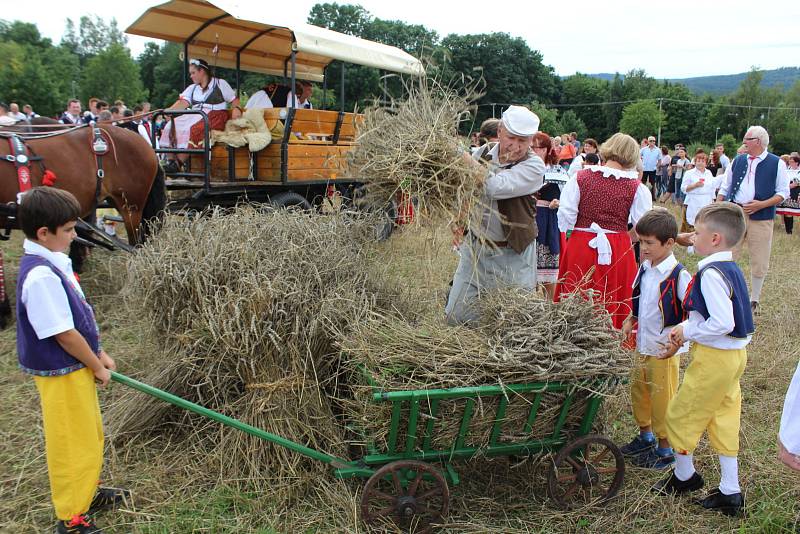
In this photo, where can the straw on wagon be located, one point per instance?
(411, 147)
(521, 339)
(243, 305)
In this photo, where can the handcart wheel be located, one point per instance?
(587, 471)
(412, 494)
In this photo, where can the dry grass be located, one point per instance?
(176, 493)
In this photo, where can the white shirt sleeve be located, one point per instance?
(720, 322)
(642, 203)
(576, 165)
(259, 99)
(46, 303)
(187, 93)
(683, 284)
(725, 184)
(524, 178)
(782, 180)
(227, 91)
(689, 179)
(568, 205)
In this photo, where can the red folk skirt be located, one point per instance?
(610, 284)
(216, 121)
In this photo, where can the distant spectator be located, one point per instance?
(13, 111)
(723, 159)
(5, 118)
(127, 121)
(567, 153)
(105, 116)
(120, 104)
(662, 173)
(589, 147)
(28, 110)
(591, 159)
(102, 105)
(146, 107)
(573, 137)
(116, 112)
(93, 107)
(790, 208)
(650, 155)
(305, 96)
(72, 115)
(488, 133)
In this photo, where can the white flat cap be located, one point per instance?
(520, 121)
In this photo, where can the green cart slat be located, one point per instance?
(465, 420)
(426, 443)
(537, 400)
(562, 416)
(498, 421)
(397, 407)
(413, 414)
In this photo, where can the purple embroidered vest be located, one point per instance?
(45, 357)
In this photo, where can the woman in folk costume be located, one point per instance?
(548, 246)
(790, 208)
(206, 93)
(700, 187)
(595, 208)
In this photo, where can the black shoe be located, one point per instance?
(171, 166)
(652, 460)
(754, 307)
(108, 498)
(673, 486)
(731, 505)
(80, 524)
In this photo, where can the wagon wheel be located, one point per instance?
(423, 501)
(589, 470)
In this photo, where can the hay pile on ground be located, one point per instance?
(243, 304)
(521, 339)
(412, 146)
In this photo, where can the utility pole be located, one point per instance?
(715, 135)
(660, 100)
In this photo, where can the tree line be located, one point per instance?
(92, 59)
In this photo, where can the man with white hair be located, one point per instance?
(756, 180)
(499, 247)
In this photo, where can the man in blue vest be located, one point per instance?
(756, 180)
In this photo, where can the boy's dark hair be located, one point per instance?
(591, 159)
(658, 223)
(114, 109)
(725, 218)
(48, 207)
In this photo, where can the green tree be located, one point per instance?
(93, 36)
(731, 144)
(582, 89)
(613, 111)
(570, 122)
(513, 72)
(112, 74)
(548, 119)
(641, 119)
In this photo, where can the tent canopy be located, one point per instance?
(220, 31)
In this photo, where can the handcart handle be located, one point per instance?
(228, 421)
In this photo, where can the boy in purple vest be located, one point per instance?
(58, 343)
(720, 325)
(658, 293)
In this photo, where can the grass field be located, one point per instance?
(178, 491)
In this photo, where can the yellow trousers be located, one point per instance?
(73, 435)
(653, 385)
(709, 399)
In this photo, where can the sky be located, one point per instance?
(699, 38)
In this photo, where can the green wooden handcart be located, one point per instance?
(409, 479)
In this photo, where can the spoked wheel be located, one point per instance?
(587, 471)
(412, 494)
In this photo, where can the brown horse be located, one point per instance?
(133, 181)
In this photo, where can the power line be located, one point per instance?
(656, 99)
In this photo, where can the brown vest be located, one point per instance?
(517, 215)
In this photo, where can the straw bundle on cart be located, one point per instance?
(411, 148)
(521, 339)
(243, 305)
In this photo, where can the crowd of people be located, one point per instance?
(598, 230)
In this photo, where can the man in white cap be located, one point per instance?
(499, 248)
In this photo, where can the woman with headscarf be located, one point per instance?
(596, 206)
(206, 93)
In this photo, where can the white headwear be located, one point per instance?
(520, 121)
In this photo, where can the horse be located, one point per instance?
(132, 178)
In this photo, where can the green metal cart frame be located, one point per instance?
(404, 486)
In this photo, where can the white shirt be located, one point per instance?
(259, 99)
(747, 191)
(650, 157)
(649, 335)
(790, 419)
(699, 197)
(724, 161)
(713, 332)
(43, 293)
(7, 120)
(576, 165)
(571, 197)
(195, 92)
(524, 178)
(142, 129)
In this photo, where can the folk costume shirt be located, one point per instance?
(650, 336)
(197, 97)
(260, 99)
(701, 196)
(43, 294)
(505, 181)
(713, 332)
(747, 191)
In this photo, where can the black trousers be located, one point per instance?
(650, 175)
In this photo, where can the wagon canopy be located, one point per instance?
(235, 34)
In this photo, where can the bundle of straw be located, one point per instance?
(244, 305)
(411, 147)
(521, 339)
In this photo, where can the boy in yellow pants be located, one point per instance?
(58, 343)
(720, 325)
(658, 293)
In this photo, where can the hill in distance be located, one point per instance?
(727, 83)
